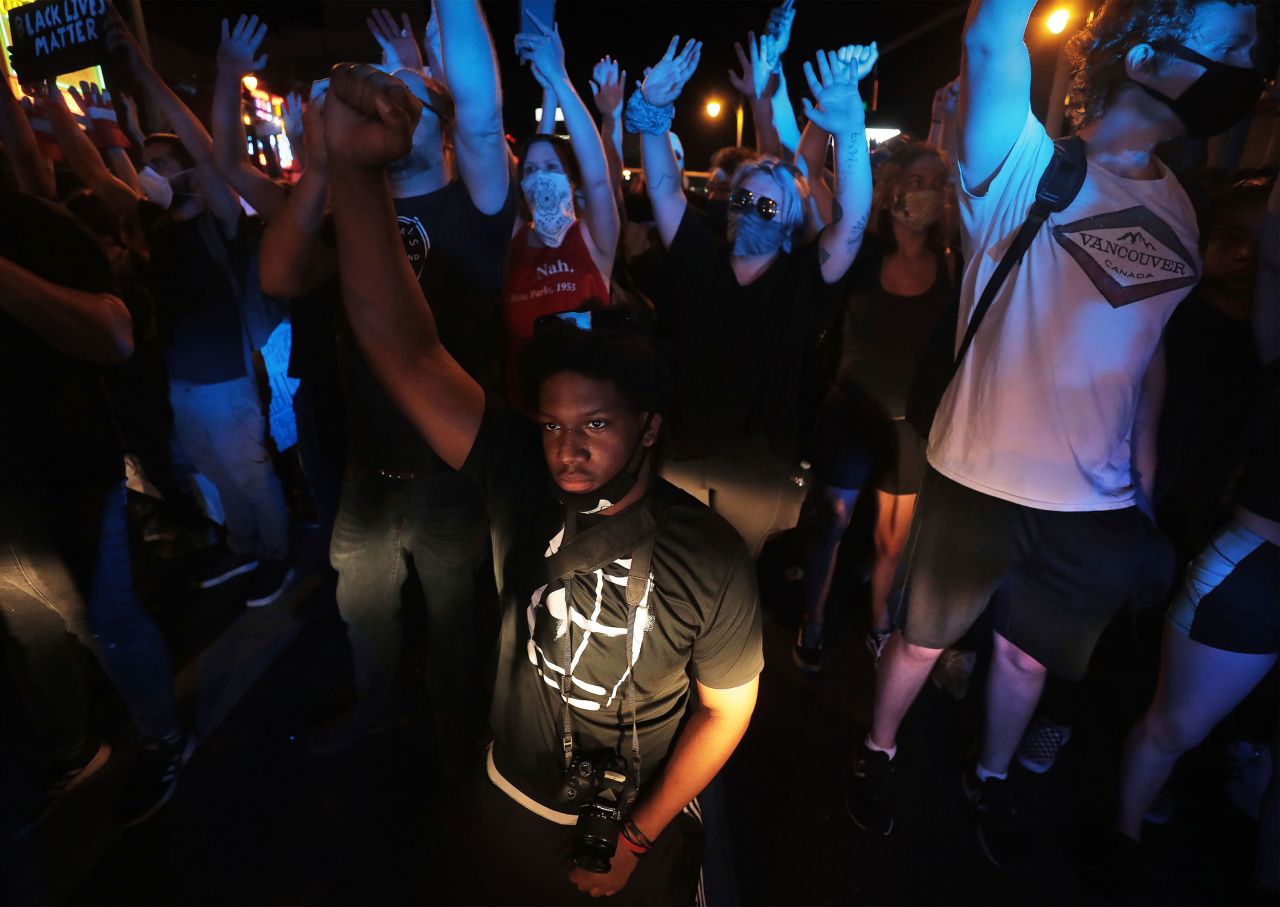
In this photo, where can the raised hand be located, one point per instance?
(399, 47)
(543, 51)
(90, 96)
(118, 38)
(608, 87)
(291, 112)
(369, 117)
(862, 57)
(237, 54)
(779, 28)
(666, 79)
(836, 106)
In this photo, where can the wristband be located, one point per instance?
(104, 129)
(632, 833)
(632, 846)
(641, 116)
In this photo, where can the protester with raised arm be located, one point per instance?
(404, 516)
(1035, 449)
(203, 279)
(579, 476)
(237, 58)
(558, 261)
(608, 90)
(737, 423)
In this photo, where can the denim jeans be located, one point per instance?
(65, 568)
(437, 526)
(222, 429)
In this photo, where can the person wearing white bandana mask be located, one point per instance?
(904, 278)
(561, 258)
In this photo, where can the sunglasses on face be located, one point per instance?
(745, 200)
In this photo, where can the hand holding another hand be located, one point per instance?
(544, 52)
(369, 117)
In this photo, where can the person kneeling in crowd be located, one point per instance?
(616, 587)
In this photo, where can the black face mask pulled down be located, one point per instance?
(613, 490)
(1214, 102)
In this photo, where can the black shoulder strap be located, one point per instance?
(1059, 185)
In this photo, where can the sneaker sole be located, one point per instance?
(230, 574)
(171, 789)
(284, 586)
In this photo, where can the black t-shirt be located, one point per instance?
(1260, 484)
(884, 334)
(739, 351)
(459, 255)
(59, 421)
(195, 286)
(700, 619)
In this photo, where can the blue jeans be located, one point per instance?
(222, 429)
(436, 525)
(65, 568)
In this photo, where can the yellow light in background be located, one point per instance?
(262, 158)
(626, 174)
(1057, 20)
(713, 109)
(250, 82)
(248, 120)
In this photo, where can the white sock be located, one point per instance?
(984, 775)
(870, 744)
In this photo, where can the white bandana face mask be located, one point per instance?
(550, 198)
(159, 191)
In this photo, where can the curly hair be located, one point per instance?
(1097, 52)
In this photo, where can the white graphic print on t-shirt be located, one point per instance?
(413, 235)
(602, 650)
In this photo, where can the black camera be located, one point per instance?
(599, 787)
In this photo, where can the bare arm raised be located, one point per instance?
(662, 86)
(369, 121)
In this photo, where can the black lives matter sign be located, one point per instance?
(51, 37)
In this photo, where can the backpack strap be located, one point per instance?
(1058, 187)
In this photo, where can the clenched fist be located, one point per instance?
(369, 117)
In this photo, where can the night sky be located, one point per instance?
(305, 38)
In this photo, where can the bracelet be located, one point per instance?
(641, 116)
(632, 846)
(632, 833)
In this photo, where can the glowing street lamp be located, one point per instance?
(1057, 20)
(250, 82)
(713, 109)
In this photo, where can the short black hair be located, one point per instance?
(174, 145)
(634, 361)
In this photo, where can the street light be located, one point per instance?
(1057, 20)
(713, 109)
(1055, 24)
(250, 82)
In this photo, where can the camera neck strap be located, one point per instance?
(638, 588)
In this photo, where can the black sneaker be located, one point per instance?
(807, 652)
(270, 580)
(869, 798)
(1000, 833)
(226, 566)
(154, 778)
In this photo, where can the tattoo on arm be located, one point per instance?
(823, 256)
(854, 237)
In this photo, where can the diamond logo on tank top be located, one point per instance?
(416, 243)
(1129, 255)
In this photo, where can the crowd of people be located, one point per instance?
(567, 407)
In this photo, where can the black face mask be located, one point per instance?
(613, 490)
(1214, 102)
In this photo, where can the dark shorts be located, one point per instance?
(1230, 598)
(855, 443)
(1061, 576)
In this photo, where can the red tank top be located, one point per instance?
(541, 281)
